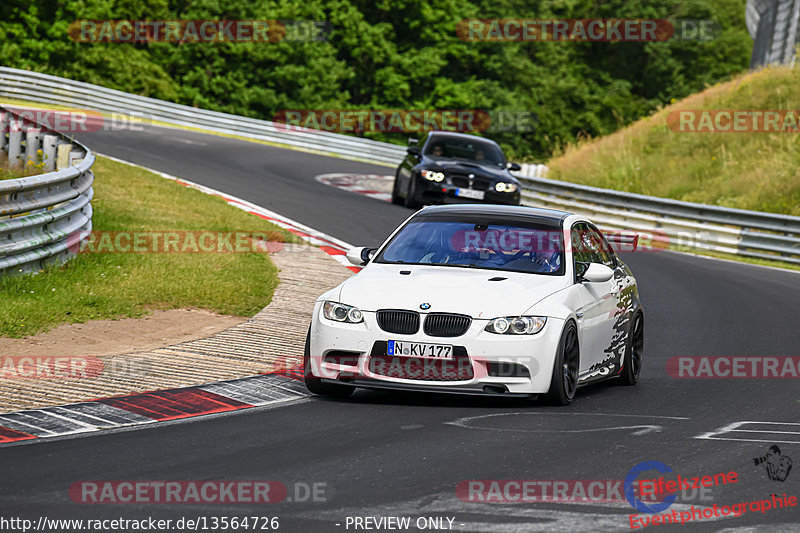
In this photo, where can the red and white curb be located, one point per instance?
(372, 185)
(332, 246)
(156, 406)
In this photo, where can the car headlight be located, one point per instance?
(342, 313)
(505, 187)
(432, 175)
(516, 325)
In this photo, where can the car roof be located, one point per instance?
(530, 214)
(463, 136)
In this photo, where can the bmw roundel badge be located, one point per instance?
(425, 306)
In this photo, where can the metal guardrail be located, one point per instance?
(41, 215)
(672, 222)
(773, 25)
(36, 87)
(698, 226)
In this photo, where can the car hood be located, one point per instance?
(447, 289)
(454, 165)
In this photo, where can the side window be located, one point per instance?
(605, 252)
(581, 247)
(584, 249)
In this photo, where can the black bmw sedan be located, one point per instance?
(450, 168)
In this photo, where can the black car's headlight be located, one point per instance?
(505, 187)
(342, 313)
(432, 175)
(516, 325)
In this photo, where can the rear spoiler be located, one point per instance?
(622, 241)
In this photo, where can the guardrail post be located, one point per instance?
(62, 155)
(14, 143)
(3, 129)
(49, 152)
(75, 157)
(32, 143)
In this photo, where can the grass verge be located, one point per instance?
(757, 171)
(116, 285)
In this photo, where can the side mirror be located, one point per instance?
(360, 256)
(413, 150)
(514, 166)
(597, 273)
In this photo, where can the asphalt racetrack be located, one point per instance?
(384, 454)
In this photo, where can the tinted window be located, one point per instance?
(499, 245)
(473, 150)
(584, 247)
(605, 253)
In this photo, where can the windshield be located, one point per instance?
(497, 246)
(476, 150)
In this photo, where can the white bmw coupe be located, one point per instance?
(476, 299)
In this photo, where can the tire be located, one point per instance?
(564, 381)
(396, 198)
(634, 352)
(315, 384)
(410, 202)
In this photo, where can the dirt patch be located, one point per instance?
(111, 337)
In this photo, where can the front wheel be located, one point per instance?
(410, 201)
(396, 198)
(634, 352)
(564, 381)
(315, 384)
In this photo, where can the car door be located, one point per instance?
(596, 314)
(625, 285)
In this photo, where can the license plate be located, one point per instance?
(418, 349)
(470, 193)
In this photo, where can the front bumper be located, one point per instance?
(442, 193)
(342, 352)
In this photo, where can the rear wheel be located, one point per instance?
(564, 381)
(634, 352)
(315, 384)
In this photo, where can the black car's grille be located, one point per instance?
(478, 183)
(460, 181)
(481, 185)
(398, 321)
(446, 325)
